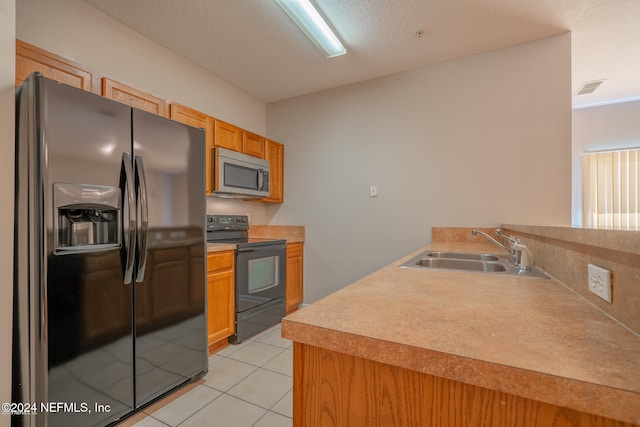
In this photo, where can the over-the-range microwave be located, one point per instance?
(237, 175)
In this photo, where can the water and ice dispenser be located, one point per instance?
(87, 218)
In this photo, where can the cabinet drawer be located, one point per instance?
(222, 260)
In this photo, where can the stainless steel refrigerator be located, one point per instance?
(109, 280)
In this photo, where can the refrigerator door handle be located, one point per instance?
(143, 228)
(126, 184)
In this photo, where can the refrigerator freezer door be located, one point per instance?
(170, 289)
(81, 307)
(89, 306)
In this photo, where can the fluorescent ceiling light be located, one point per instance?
(311, 23)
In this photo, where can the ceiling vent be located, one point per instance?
(589, 87)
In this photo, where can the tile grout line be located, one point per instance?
(248, 342)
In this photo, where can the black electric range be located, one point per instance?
(260, 274)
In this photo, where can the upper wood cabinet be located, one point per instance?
(191, 117)
(274, 152)
(227, 135)
(253, 144)
(30, 59)
(133, 97)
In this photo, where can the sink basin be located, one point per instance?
(460, 264)
(462, 255)
(473, 262)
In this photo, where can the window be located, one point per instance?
(611, 189)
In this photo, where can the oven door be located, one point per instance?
(260, 275)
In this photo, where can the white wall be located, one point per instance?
(474, 142)
(605, 127)
(7, 143)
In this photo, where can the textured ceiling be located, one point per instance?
(253, 44)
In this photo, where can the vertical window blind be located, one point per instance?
(611, 189)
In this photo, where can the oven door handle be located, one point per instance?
(264, 248)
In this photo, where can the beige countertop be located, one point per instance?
(529, 337)
(290, 233)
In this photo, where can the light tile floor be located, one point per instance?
(249, 384)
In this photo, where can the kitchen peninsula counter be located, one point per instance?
(406, 346)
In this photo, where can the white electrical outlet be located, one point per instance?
(600, 282)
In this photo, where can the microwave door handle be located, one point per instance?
(126, 185)
(143, 228)
(260, 178)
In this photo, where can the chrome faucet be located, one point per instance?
(520, 254)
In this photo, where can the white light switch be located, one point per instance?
(373, 190)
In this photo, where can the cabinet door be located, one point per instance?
(220, 298)
(30, 59)
(191, 117)
(133, 97)
(294, 276)
(227, 136)
(274, 152)
(253, 144)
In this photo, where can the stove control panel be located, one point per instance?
(227, 222)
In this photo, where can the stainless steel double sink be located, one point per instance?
(474, 262)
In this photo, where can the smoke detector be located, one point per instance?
(589, 87)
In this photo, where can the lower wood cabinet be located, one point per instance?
(294, 276)
(337, 389)
(220, 298)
